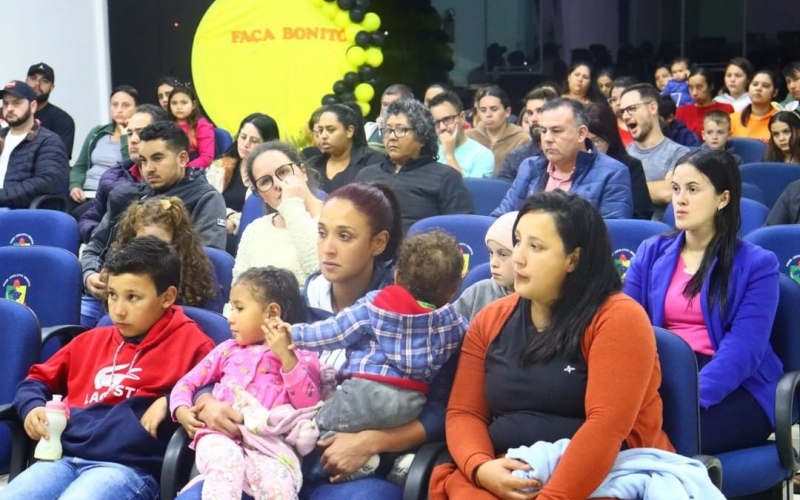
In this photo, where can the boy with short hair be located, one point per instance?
(115, 380)
(678, 87)
(717, 131)
(397, 339)
(674, 128)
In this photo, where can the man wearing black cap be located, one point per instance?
(42, 78)
(33, 160)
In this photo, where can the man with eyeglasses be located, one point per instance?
(467, 156)
(572, 164)
(532, 109)
(638, 108)
(163, 154)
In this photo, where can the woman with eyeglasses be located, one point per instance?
(227, 174)
(340, 135)
(424, 186)
(287, 236)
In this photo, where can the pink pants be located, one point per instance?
(229, 469)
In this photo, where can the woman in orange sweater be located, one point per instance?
(567, 356)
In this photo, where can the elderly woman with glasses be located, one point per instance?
(287, 236)
(424, 186)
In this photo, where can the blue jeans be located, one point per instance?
(368, 488)
(77, 479)
(91, 311)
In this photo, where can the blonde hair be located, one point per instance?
(197, 281)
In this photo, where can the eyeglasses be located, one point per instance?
(446, 121)
(630, 110)
(265, 183)
(397, 131)
(613, 100)
(253, 140)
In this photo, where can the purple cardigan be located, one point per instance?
(743, 355)
(122, 173)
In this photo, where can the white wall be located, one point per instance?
(72, 37)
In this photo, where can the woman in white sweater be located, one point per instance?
(287, 236)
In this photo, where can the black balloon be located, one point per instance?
(378, 39)
(345, 4)
(362, 4)
(357, 15)
(339, 87)
(351, 79)
(347, 97)
(363, 39)
(366, 72)
(329, 99)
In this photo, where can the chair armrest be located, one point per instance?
(714, 468)
(178, 462)
(50, 201)
(21, 444)
(419, 474)
(63, 333)
(784, 418)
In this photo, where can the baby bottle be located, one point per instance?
(56, 411)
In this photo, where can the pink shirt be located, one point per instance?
(203, 143)
(683, 316)
(256, 369)
(557, 180)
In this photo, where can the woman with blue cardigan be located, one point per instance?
(718, 293)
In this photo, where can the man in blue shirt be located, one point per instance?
(467, 156)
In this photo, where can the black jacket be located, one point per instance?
(642, 204)
(360, 157)
(37, 166)
(424, 187)
(787, 208)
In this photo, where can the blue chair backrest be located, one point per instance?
(20, 343)
(626, 235)
(753, 192)
(679, 392)
(784, 242)
(26, 227)
(254, 207)
(213, 324)
(486, 193)
(772, 178)
(222, 141)
(46, 279)
(751, 150)
(223, 270)
(476, 274)
(785, 338)
(468, 230)
(753, 214)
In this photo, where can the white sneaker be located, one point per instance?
(400, 469)
(366, 470)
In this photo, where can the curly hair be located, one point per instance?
(420, 120)
(429, 266)
(271, 284)
(197, 277)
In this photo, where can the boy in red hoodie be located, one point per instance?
(115, 380)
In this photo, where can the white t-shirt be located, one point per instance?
(12, 141)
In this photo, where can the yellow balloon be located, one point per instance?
(373, 56)
(364, 92)
(364, 108)
(342, 19)
(356, 56)
(330, 9)
(371, 21)
(350, 32)
(317, 3)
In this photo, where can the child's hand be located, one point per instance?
(187, 417)
(35, 422)
(278, 335)
(154, 415)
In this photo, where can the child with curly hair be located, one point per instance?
(396, 339)
(167, 219)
